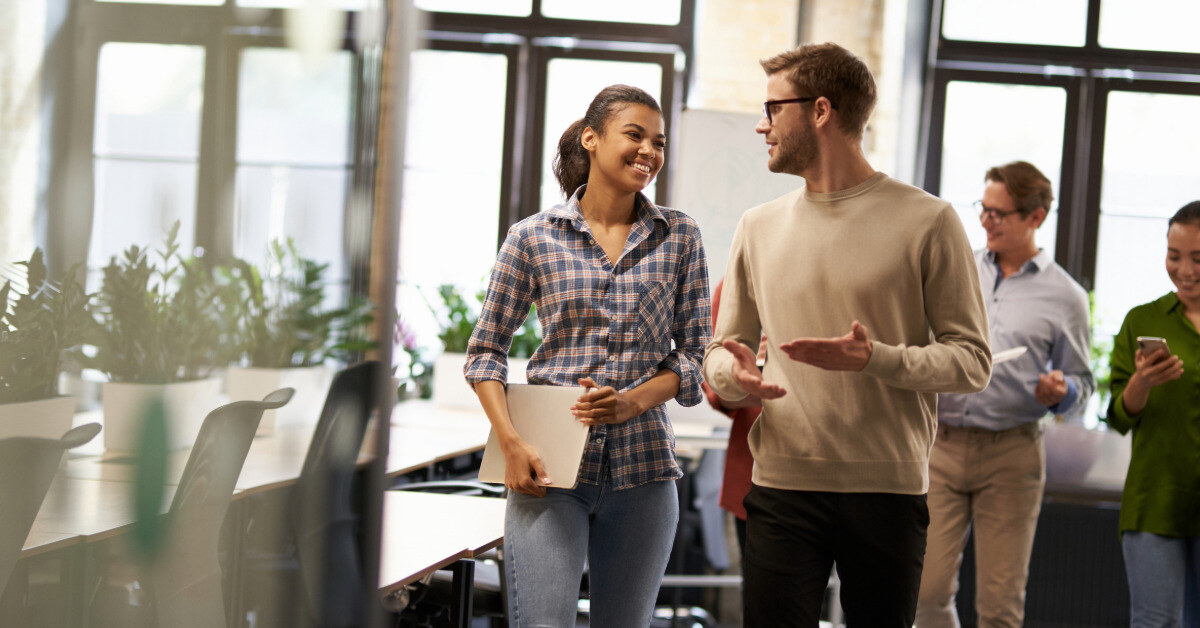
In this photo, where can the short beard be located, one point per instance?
(800, 154)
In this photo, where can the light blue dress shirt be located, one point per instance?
(1043, 309)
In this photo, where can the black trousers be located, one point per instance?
(793, 539)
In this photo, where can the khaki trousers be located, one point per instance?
(994, 481)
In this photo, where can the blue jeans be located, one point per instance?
(1163, 582)
(625, 537)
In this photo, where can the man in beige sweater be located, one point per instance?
(874, 283)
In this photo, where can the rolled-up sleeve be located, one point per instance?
(509, 295)
(691, 327)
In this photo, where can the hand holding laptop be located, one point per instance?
(550, 444)
(597, 406)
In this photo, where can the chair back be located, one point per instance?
(323, 518)
(27, 466)
(186, 577)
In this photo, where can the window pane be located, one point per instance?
(137, 201)
(517, 8)
(348, 5)
(452, 173)
(276, 202)
(1057, 23)
(293, 108)
(1139, 25)
(625, 11)
(989, 124)
(1149, 173)
(148, 100)
(571, 86)
(193, 2)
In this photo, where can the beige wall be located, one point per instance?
(734, 34)
(22, 25)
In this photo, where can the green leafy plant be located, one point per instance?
(1101, 357)
(457, 318)
(156, 322)
(36, 327)
(279, 319)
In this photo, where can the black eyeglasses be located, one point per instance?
(771, 103)
(996, 215)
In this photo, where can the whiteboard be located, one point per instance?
(718, 171)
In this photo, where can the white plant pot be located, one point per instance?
(450, 388)
(310, 382)
(43, 418)
(1071, 450)
(184, 403)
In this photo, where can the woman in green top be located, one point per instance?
(1157, 396)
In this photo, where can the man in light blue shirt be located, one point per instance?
(987, 467)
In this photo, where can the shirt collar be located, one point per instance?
(570, 210)
(1168, 302)
(1038, 262)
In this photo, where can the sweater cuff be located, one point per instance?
(885, 360)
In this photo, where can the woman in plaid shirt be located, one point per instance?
(621, 289)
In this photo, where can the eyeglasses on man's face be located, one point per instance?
(770, 104)
(997, 215)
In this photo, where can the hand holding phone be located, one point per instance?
(1150, 344)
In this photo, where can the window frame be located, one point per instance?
(531, 42)
(1088, 73)
(223, 32)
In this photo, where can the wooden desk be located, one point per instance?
(92, 509)
(424, 532)
(40, 542)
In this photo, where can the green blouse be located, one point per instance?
(1162, 487)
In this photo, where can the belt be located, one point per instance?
(1031, 430)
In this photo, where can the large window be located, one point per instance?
(203, 115)
(146, 145)
(1095, 102)
(493, 90)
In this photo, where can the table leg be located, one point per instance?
(461, 590)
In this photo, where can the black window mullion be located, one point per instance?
(1079, 144)
(1096, 124)
(516, 133)
(535, 93)
(217, 164)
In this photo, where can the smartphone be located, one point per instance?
(1150, 344)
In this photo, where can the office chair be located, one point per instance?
(27, 466)
(185, 579)
(323, 517)
(311, 574)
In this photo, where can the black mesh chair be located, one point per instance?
(302, 562)
(322, 517)
(27, 466)
(185, 580)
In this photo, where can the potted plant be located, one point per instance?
(1072, 447)
(457, 318)
(284, 333)
(37, 326)
(157, 336)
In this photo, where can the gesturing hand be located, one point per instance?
(603, 405)
(848, 353)
(746, 374)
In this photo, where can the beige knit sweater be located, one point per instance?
(807, 265)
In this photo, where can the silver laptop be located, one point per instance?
(542, 417)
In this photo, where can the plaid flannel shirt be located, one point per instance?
(618, 324)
